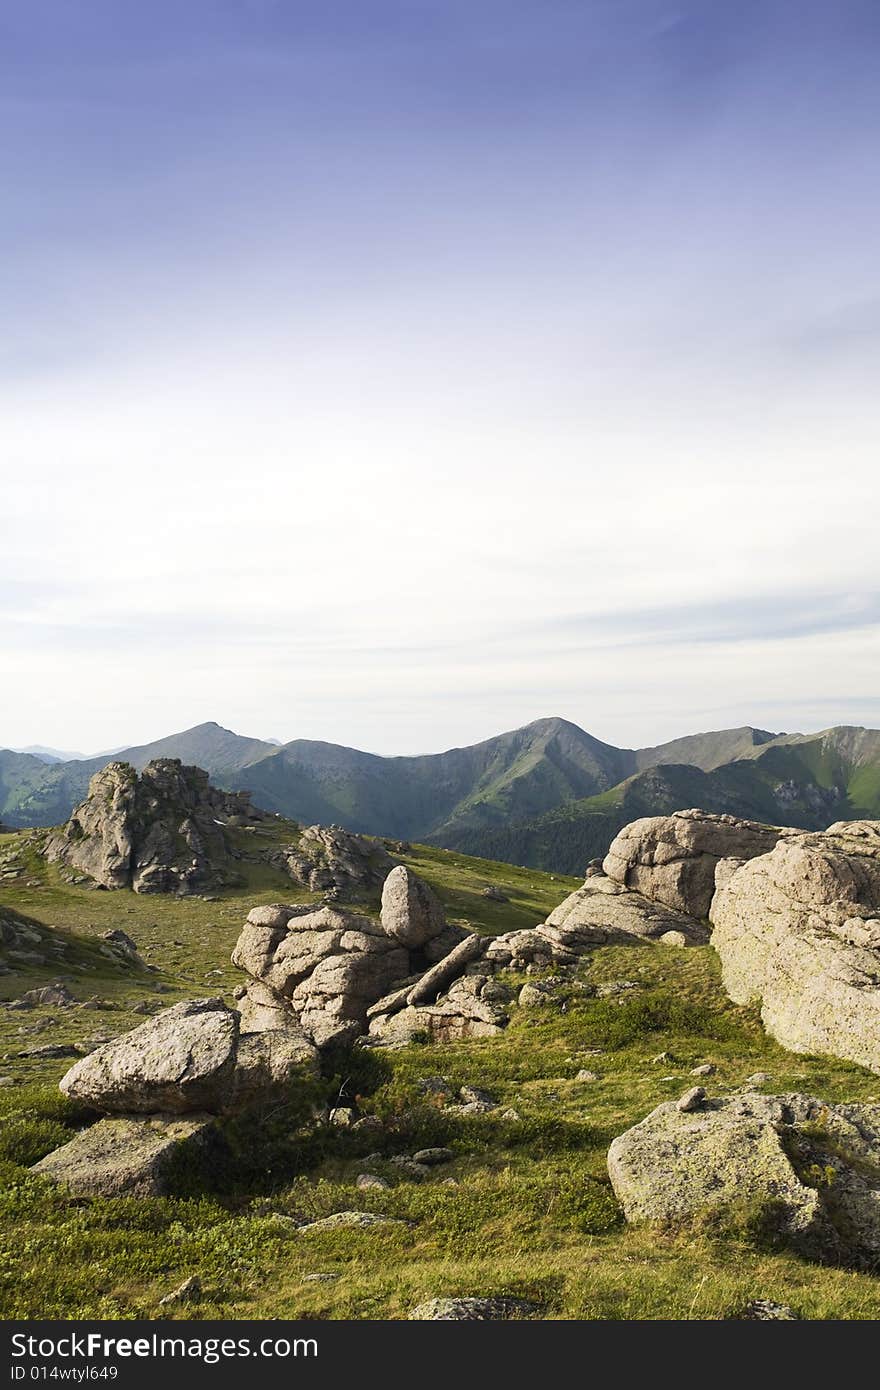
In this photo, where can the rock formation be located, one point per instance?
(798, 931)
(818, 1164)
(328, 859)
(672, 859)
(326, 964)
(165, 831)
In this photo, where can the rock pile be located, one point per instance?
(165, 831)
(163, 1084)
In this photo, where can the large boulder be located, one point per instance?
(191, 1057)
(798, 931)
(327, 964)
(672, 859)
(411, 912)
(817, 1164)
(164, 831)
(133, 1157)
(327, 858)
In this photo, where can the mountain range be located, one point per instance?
(548, 795)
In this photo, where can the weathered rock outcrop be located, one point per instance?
(133, 1156)
(163, 832)
(191, 1057)
(327, 964)
(818, 1164)
(328, 859)
(798, 930)
(672, 859)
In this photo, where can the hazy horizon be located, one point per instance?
(390, 374)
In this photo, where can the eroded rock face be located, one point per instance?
(191, 1057)
(328, 964)
(672, 859)
(162, 832)
(411, 912)
(819, 1163)
(132, 1157)
(798, 930)
(330, 859)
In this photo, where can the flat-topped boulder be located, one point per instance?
(165, 831)
(749, 1147)
(191, 1057)
(143, 1156)
(798, 932)
(672, 859)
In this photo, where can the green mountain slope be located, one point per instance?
(806, 781)
(518, 774)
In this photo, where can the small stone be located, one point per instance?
(341, 1116)
(661, 1058)
(534, 995)
(7, 1080)
(319, 1278)
(758, 1078)
(471, 1309)
(472, 1095)
(368, 1123)
(584, 1075)
(704, 1069)
(691, 1100)
(674, 938)
(343, 1220)
(190, 1291)
(432, 1157)
(765, 1310)
(371, 1180)
(510, 1114)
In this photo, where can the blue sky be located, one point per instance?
(395, 373)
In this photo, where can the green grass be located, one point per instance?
(532, 1214)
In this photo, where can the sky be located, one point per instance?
(395, 372)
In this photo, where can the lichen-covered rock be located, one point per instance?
(817, 1164)
(328, 964)
(411, 912)
(798, 931)
(472, 1309)
(133, 1157)
(191, 1057)
(327, 858)
(162, 832)
(672, 859)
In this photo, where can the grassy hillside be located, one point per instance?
(530, 1212)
